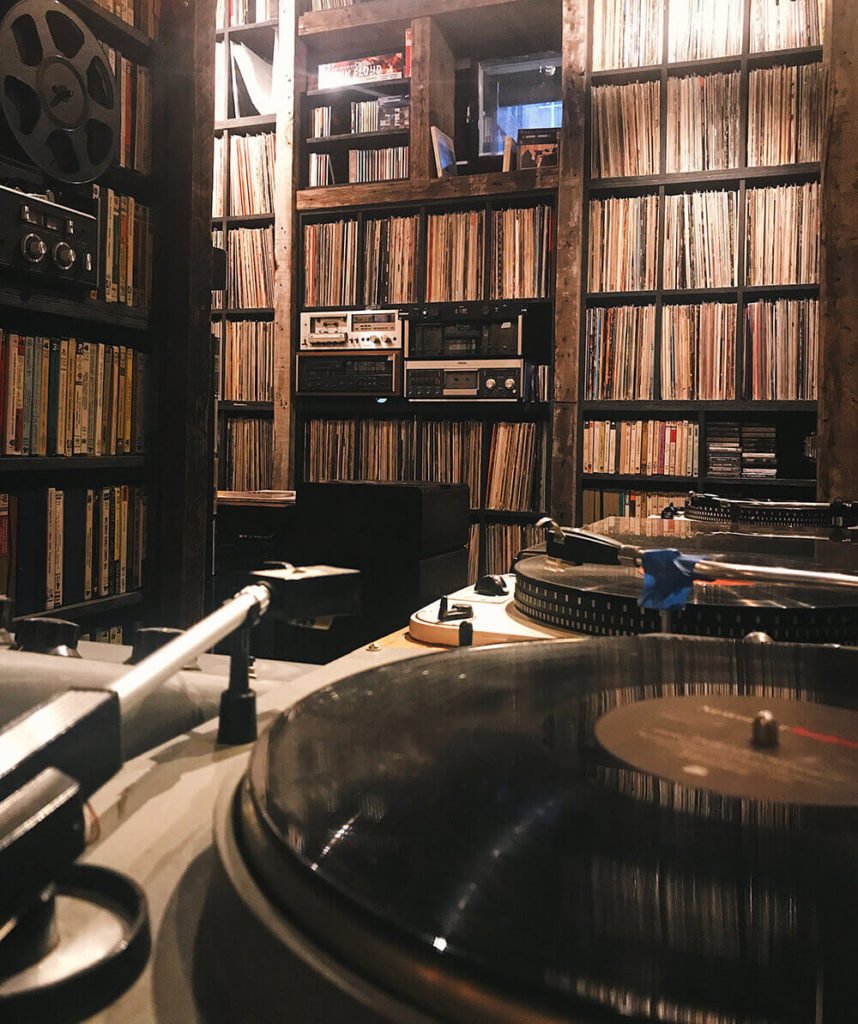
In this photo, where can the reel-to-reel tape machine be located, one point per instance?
(59, 124)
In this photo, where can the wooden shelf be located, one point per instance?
(248, 219)
(355, 137)
(692, 405)
(356, 90)
(98, 608)
(69, 463)
(505, 515)
(691, 295)
(782, 173)
(75, 306)
(733, 62)
(713, 482)
(632, 478)
(258, 122)
(263, 312)
(246, 408)
(470, 186)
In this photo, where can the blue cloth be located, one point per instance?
(668, 578)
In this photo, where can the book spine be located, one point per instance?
(70, 396)
(62, 398)
(59, 545)
(43, 353)
(123, 543)
(53, 397)
(129, 394)
(87, 544)
(105, 547)
(49, 566)
(92, 377)
(131, 218)
(27, 418)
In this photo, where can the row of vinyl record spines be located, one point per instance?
(520, 254)
(249, 454)
(641, 447)
(61, 396)
(251, 175)
(126, 247)
(599, 503)
(630, 33)
(784, 124)
(697, 352)
(141, 14)
(441, 452)
(250, 267)
(64, 546)
(497, 545)
(700, 239)
(245, 360)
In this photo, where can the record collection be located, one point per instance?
(601, 503)
(784, 125)
(330, 263)
(703, 122)
(522, 248)
(247, 361)
(251, 174)
(782, 341)
(378, 164)
(455, 264)
(619, 354)
(625, 129)
(776, 26)
(626, 35)
(783, 234)
(250, 267)
(698, 352)
(702, 29)
(622, 244)
(249, 454)
(390, 260)
(701, 239)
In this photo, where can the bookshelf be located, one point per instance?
(243, 215)
(731, 178)
(93, 335)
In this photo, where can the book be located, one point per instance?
(538, 147)
(378, 68)
(445, 153)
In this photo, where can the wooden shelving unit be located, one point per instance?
(175, 483)
(739, 179)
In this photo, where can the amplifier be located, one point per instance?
(43, 239)
(497, 380)
(370, 329)
(353, 373)
(466, 331)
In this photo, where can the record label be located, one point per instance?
(707, 742)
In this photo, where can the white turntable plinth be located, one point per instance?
(496, 620)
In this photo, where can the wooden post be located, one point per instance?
(432, 93)
(177, 549)
(838, 353)
(291, 81)
(571, 263)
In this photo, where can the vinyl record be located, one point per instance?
(603, 601)
(57, 92)
(464, 832)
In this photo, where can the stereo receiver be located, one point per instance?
(497, 380)
(370, 329)
(352, 373)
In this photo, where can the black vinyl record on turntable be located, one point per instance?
(650, 829)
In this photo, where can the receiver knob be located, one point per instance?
(33, 248)
(490, 384)
(63, 256)
(509, 383)
(47, 636)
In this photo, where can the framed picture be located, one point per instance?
(445, 154)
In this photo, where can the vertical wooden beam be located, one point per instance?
(571, 262)
(182, 478)
(838, 355)
(433, 85)
(291, 79)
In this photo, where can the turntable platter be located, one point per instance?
(460, 831)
